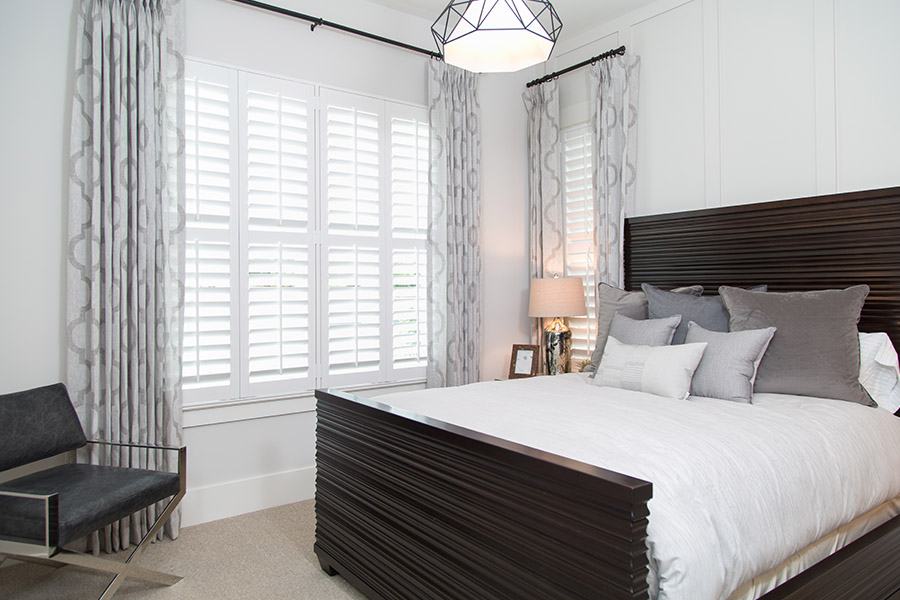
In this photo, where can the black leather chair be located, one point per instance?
(42, 512)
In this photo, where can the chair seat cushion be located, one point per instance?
(90, 497)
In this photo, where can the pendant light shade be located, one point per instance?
(488, 36)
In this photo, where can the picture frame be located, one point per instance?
(524, 361)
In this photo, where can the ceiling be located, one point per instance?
(576, 15)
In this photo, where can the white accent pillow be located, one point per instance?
(660, 370)
(879, 371)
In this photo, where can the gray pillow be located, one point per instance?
(611, 300)
(815, 351)
(729, 364)
(707, 311)
(647, 332)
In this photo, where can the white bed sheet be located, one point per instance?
(737, 488)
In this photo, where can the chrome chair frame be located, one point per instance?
(50, 553)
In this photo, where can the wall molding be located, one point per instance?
(234, 498)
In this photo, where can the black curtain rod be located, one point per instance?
(316, 22)
(607, 54)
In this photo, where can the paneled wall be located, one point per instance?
(754, 100)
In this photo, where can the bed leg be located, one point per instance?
(325, 563)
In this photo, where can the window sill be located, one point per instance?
(246, 409)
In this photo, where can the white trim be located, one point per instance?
(233, 498)
(247, 409)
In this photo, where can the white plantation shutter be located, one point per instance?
(352, 148)
(409, 152)
(209, 311)
(351, 129)
(307, 216)
(579, 232)
(277, 117)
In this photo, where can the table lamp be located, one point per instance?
(556, 298)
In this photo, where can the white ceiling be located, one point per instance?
(576, 15)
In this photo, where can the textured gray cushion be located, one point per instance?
(36, 424)
(729, 363)
(647, 332)
(90, 497)
(611, 300)
(815, 351)
(707, 311)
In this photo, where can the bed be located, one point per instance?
(416, 507)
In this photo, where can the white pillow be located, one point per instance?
(661, 370)
(879, 371)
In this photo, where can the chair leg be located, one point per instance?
(45, 562)
(113, 566)
(123, 570)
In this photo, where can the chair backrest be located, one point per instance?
(37, 424)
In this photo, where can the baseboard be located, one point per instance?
(221, 501)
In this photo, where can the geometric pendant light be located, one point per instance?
(489, 36)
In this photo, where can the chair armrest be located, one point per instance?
(129, 445)
(51, 526)
(182, 456)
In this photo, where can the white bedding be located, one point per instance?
(737, 488)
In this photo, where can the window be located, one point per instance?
(306, 237)
(579, 234)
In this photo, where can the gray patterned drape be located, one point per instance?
(545, 197)
(614, 107)
(454, 228)
(126, 237)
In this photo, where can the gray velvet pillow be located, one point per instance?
(707, 311)
(729, 364)
(815, 351)
(647, 332)
(611, 300)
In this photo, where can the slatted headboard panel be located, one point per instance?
(822, 242)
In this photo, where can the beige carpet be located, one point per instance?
(267, 554)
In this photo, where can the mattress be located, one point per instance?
(738, 489)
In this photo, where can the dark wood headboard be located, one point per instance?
(823, 242)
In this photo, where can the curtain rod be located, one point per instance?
(317, 21)
(607, 54)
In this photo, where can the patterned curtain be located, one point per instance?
(614, 108)
(125, 267)
(454, 228)
(545, 197)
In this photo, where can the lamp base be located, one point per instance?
(558, 346)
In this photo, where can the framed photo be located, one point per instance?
(525, 360)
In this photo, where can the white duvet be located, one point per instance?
(737, 488)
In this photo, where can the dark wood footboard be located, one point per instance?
(409, 507)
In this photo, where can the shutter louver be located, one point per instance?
(579, 233)
(207, 341)
(278, 131)
(409, 178)
(207, 315)
(409, 227)
(207, 154)
(354, 320)
(408, 308)
(353, 202)
(278, 312)
(279, 128)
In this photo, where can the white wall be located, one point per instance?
(747, 101)
(35, 43)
